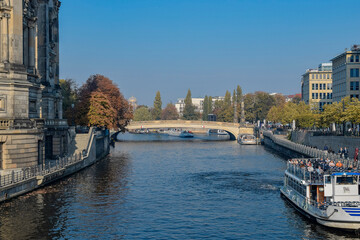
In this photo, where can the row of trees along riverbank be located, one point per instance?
(306, 116)
(257, 106)
(98, 102)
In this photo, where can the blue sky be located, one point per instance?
(209, 46)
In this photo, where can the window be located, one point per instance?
(328, 96)
(32, 106)
(316, 96)
(316, 86)
(2, 103)
(313, 95)
(354, 86)
(313, 86)
(321, 86)
(346, 180)
(316, 76)
(320, 76)
(357, 58)
(354, 72)
(328, 76)
(352, 58)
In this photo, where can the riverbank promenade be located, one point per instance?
(280, 141)
(87, 149)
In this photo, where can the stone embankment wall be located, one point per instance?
(294, 150)
(18, 182)
(333, 142)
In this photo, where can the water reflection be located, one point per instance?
(166, 190)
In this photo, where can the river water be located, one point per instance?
(154, 187)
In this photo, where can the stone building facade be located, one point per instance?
(32, 128)
(316, 86)
(346, 74)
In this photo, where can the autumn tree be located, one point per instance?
(101, 113)
(157, 109)
(142, 114)
(170, 112)
(100, 83)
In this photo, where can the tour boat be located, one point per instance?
(180, 133)
(216, 132)
(247, 139)
(329, 195)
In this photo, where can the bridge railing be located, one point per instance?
(165, 122)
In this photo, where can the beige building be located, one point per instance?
(316, 86)
(31, 124)
(346, 74)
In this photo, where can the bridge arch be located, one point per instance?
(234, 129)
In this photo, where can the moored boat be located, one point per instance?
(247, 139)
(180, 133)
(216, 132)
(328, 195)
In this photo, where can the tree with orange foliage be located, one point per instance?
(101, 113)
(102, 84)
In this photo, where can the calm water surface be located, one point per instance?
(166, 189)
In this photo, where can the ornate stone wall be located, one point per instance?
(29, 82)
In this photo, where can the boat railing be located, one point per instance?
(307, 203)
(301, 170)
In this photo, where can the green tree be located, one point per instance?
(156, 111)
(170, 112)
(205, 108)
(210, 105)
(142, 114)
(189, 109)
(224, 109)
(239, 95)
(69, 94)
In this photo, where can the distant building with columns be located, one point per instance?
(32, 127)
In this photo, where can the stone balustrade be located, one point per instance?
(302, 149)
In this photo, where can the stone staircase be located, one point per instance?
(81, 142)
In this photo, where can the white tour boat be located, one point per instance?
(247, 139)
(216, 132)
(180, 133)
(323, 192)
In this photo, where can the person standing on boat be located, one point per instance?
(346, 152)
(340, 152)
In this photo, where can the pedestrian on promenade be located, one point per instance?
(326, 148)
(346, 153)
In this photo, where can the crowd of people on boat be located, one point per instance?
(318, 167)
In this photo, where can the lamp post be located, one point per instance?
(72, 115)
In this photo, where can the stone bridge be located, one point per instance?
(234, 129)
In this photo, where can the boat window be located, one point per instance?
(327, 179)
(346, 180)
